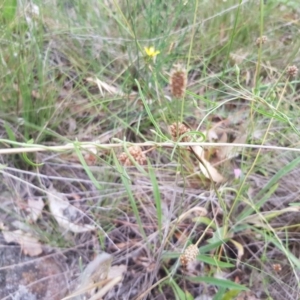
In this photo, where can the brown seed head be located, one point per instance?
(177, 130)
(137, 154)
(277, 267)
(292, 71)
(261, 40)
(189, 255)
(123, 158)
(178, 82)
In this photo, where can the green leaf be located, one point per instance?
(85, 166)
(212, 246)
(282, 172)
(230, 295)
(218, 235)
(249, 210)
(214, 262)
(219, 294)
(278, 243)
(27, 160)
(294, 204)
(205, 221)
(157, 198)
(219, 282)
(128, 187)
(147, 108)
(170, 255)
(11, 135)
(12, 138)
(183, 295)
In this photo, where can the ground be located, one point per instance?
(149, 150)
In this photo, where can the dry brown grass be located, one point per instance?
(93, 82)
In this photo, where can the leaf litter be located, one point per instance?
(67, 215)
(29, 244)
(98, 278)
(35, 208)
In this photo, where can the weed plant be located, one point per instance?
(173, 127)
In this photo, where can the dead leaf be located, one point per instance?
(206, 168)
(115, 275)
(72, 125)
(239, 56)
(29, 244)
(229, 152)
(195, 211)
(211, 135)
(223, 138)
(105, 289)
(260, 219)
(94, 275)
(97, 269)
(35, 208)
(248, 295)
(103, 86)
(67, 216)
(240, 250)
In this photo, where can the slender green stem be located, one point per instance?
(233, 207)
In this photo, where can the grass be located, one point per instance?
(78, 89)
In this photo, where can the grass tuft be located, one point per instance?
(169, 133)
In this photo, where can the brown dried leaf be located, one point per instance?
(29, 244)
(240, 250)
(259, 218)
(232, 151)
(103, 86)
(206, 168)
(115, 275)
(35, 208)
(239, 56)
(212, 135)
(66, 215)
(72, 125)
(97, 269)
(94, 275)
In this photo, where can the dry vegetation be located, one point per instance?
(149, 150)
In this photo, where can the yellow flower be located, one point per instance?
(151, 51)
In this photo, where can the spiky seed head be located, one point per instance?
(177, 130)
(189, 255)
(261, 40)
(292, 71)
(277, 267)
(178, 81)
(123, 157)
(137, 154)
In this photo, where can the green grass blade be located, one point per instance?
(179, 293)
(249, 210)
(8, 10)
(85, 166)
(282, 172)
(157, 197)
(211, 246)
(223, 283)
(157, 128)
(214, 262)
(127, 184)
